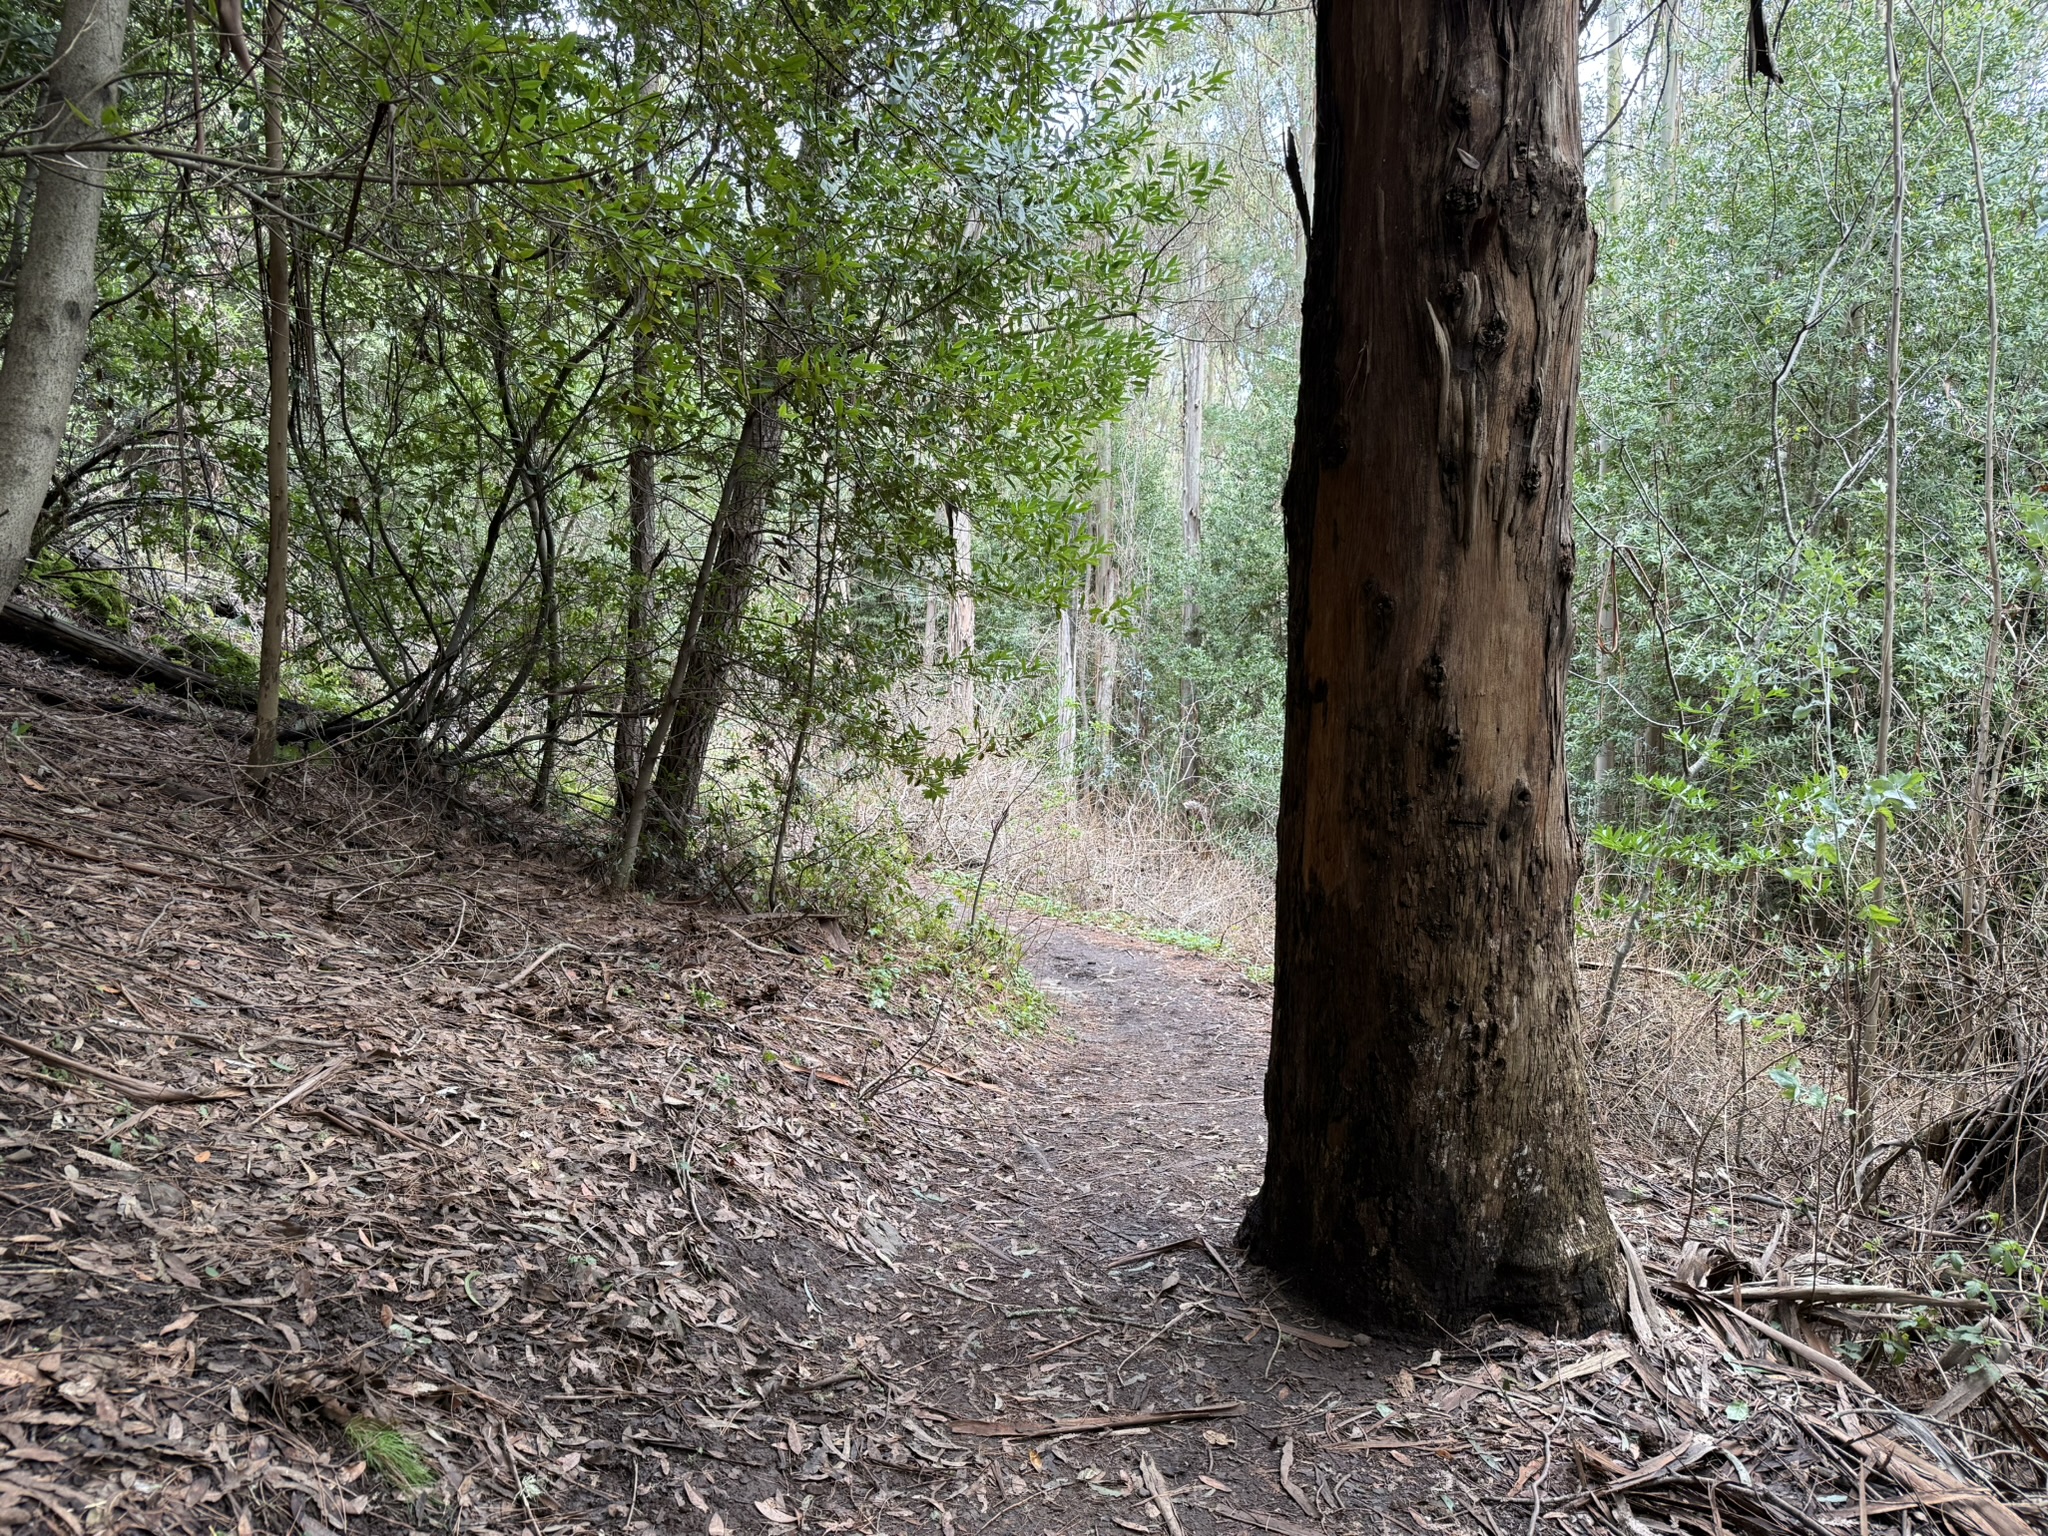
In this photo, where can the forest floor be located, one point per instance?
(365, 1171)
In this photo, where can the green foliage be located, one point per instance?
(531, 250)
(926, 948)
(391, 1453)
(1731, 492)
(96, 594)
(209, 653)
(1235, 292)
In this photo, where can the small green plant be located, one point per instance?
(1021, 1007)
(1794, 1088)
(2011, 1256)
(881, 987)
(390, 1453)
(322, 684)
(1183, 938)
(1890, 1347)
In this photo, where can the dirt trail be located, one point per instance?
(1157, 1108)
(1138, 1125)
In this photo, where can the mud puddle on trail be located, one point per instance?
(1137, 1125)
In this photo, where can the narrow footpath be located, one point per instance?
(1086, 1272)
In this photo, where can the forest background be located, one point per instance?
(853, 435)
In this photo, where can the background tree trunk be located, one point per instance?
(1430, 1153)
(1194, 398)
(960, 624)
(54, 288)
(629, 737)
(277, 343)
(1604, 618)
(1102, 593)
(749, 482)
(1068, 721)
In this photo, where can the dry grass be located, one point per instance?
(1744, 1122)
(1129, 866)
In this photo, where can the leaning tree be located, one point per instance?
(1430, 1153)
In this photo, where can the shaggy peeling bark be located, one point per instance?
(1430, 1154)
(54, 291)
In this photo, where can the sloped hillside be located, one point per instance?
(364, 1170)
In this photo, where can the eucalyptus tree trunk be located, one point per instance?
(1430, 1152)
(1102, 594)
(1671, 85)
(960, 623)
(1605, 619)
(1068, 720)
(54, 292)
(277, 344)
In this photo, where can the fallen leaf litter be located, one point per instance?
(364, 1172)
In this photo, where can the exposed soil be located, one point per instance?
(1143, 1129)
(365, 1171)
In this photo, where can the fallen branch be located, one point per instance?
(1386, 1443)
(16, 835)
(326, 1072)
(822, 1076)
(1162, 1496)
(1271, 1523)
(535, 964)
(1194, 1240)
(1053, 1349)
(134, 1087)
(1850, 1295)
(1266, 1319)
(1023, 1429)
(368, 1122)
(1139, 1255)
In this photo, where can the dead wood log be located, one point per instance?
(1992, 1153)
(27, 623)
